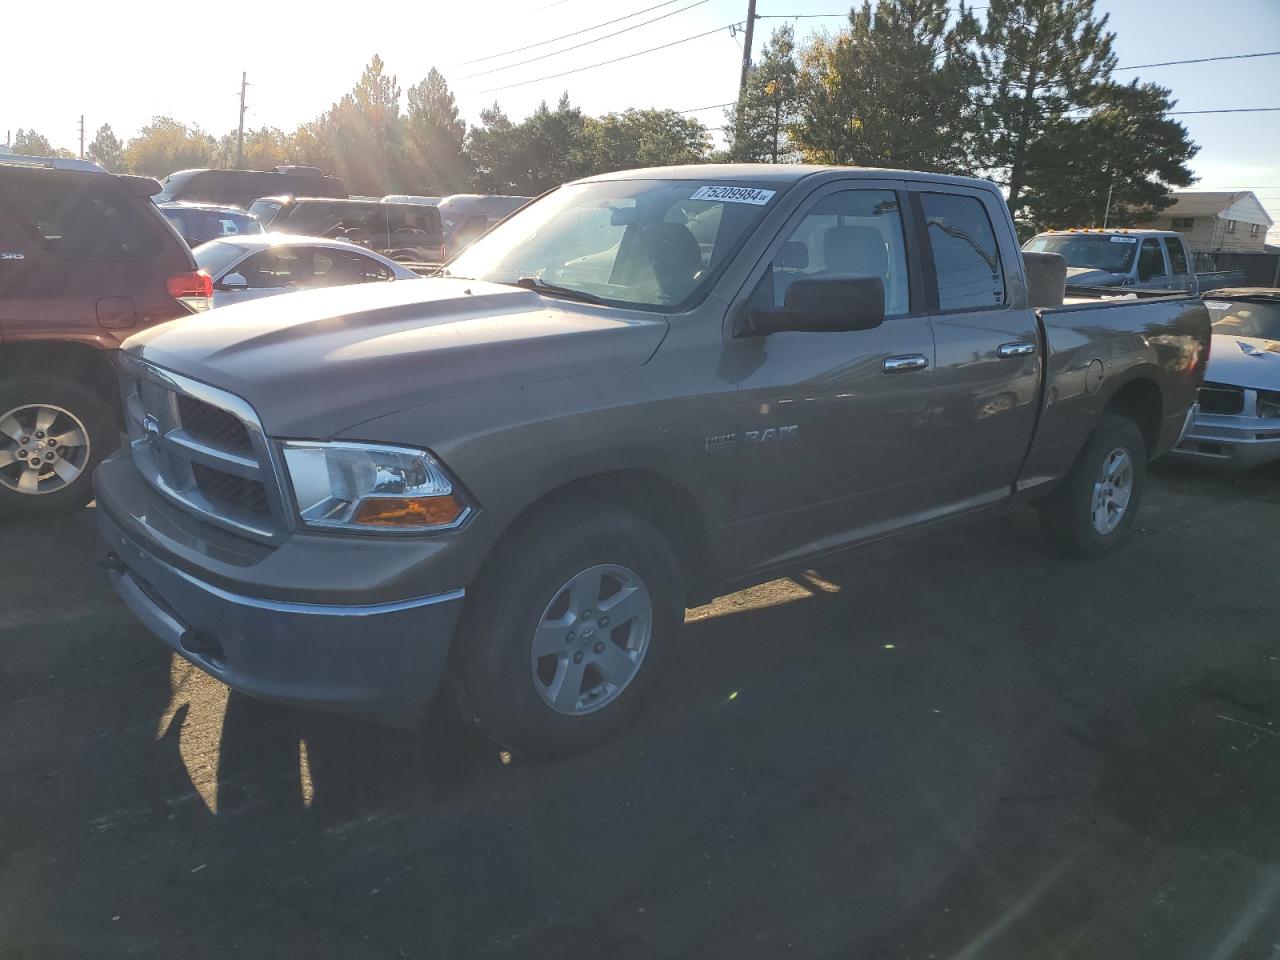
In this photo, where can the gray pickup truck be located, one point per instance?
(641, 391)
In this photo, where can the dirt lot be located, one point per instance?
(963, 747)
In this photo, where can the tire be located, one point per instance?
(1089, 515)
(532, 630)
(72, 412)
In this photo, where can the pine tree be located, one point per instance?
(106, 149)
(435, 137)
(756, 128)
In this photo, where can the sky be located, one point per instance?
(123, 63)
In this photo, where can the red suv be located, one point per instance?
(86, 259)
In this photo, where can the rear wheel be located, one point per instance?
(1092, 511)
(567, 628)
(53, 432)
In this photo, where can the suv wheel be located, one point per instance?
(1092, 511)
(53, 432)
(567, 627)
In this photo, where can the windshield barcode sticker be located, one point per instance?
(1217, 305)
(734, 195)
(1124, 239)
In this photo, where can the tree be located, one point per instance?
(756, 130)
(1040, 60)
(263, 149)
(32, 144)
(893, 90)
(1126, 143)
(364, 135)
(165, 145)
(546, 149)
(435, 137)
(643, 138)
(106, 148)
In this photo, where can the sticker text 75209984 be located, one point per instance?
(734, 195)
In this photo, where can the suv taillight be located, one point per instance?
(194, 290)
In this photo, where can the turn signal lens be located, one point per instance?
(408, 511)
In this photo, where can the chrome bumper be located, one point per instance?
(1230, 440)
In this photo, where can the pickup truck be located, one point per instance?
(641, 391)
(1141, 259)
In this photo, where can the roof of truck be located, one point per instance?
(777, 173)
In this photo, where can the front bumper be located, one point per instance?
(382, 659)
(1235, 441)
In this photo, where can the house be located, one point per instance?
(1216, 221)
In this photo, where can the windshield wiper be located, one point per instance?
(554, 290)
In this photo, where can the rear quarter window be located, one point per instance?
(80, 219)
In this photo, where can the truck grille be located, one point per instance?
(203, 449)
(1221, 398)
(211, 424)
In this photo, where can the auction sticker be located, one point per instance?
(1124, 239)
(734, 195)
(1218, 304)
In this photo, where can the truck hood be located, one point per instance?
(1244, 362)
(314, 363)
(1091, 277)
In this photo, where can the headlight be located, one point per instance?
(1269, 403)
(362, 486)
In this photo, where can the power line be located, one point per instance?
(602, 63)
(1183, 113)
(1174, 63)
(584, 43)
(713, 106)
(566, 36)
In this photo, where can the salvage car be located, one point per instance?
(1237, 423)
(1138, 259)
(264, 265)
(519, 474)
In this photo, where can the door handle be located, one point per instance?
(1006, 350)
(912, 361)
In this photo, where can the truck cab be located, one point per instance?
(1142, 259)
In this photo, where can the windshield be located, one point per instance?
(648, 243)
(265, 210)
(1245, 318)
(1096, 252)
(173, 185)
(216, 256)
(198, 226)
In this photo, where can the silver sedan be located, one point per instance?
(1237, 423)
(249, 267)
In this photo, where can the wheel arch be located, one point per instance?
(89, 365)
(1139, 398)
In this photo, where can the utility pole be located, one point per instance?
(82, 136)
(1106, 214)
(244, 82)
(746, 47)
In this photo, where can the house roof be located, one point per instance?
(1239, 205)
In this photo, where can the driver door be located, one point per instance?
(832, 425)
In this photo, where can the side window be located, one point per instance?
(80, 221)
(1177, 257)
(282, 267)
(850, 232)
(1150, 260)
(334, 268)
(966, 257)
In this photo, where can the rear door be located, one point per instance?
(832, 441)
(987, 378)
(1152, 271)
(1181, 276)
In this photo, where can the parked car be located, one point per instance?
(85, 260)
(1237, 423)
(467, 215)
(526, 469)
(239, 188)
(252, 267)
(1142, 259)
(199, 223)
(407, 232)
(409, 198)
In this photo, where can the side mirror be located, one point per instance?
(823, 305)
(233, 281)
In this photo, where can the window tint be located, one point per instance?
(79, 220)
(281, 267)
(1150, 260)
(334, 268)
(966, 257)
(1177, 257)
(851, 232)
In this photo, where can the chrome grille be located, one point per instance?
(203, 449)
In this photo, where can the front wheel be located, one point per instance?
(1092, 511)
(567, 628)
